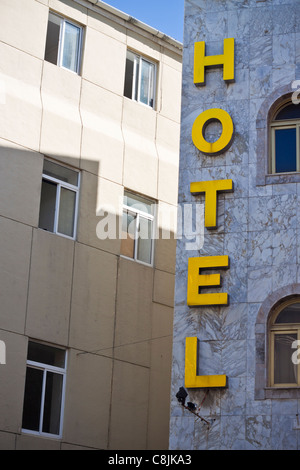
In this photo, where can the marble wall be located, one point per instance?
(258, 228)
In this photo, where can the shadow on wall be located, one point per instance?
(80, 294)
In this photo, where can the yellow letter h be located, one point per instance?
(201, 60)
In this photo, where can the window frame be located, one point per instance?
(58, 370)
(139, 58)
(281, 328)
(59, 185)
(283, 124)
(61, 40)
(139, 213)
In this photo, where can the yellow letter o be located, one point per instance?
(212, 148)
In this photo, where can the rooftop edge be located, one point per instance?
(135, 21)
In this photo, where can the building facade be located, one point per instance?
(89, 127)
(235, 381)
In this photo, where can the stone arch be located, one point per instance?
(266, 110)
(261, 343)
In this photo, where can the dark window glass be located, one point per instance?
(292, 111)
(32, 399)
(63, 43)
(52, 41)
(47, 205)
(46, 354)
(285, 150)
(137, 75)
(43, 389)
(58, 201)
(52, 405)
(60, 172)
(139, 79)
(129, 75)
(290, 314)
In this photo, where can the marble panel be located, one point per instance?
(234, 357)
(251, 320)
(183, 429)
(261, 48)
(235, 321)
(284, 50)
(207, 437)
(260, 213)
(258, 432)
(257, 224)
(260, 80)
(261, 20)
(260, 248)
(284, 19)
(236, 215)
(259, 283)
(284, 247)
(234, 401)
(284, 436)
(284, 275)
(232, 433)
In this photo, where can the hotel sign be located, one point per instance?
(211, 189)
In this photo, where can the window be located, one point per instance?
(285, 148)
(59, 199)
(44, 390)
(63, 43)
(138, 228)
(140, 77)
(284, 332)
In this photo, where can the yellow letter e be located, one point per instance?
(197, 280)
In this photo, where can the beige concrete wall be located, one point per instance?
(112, 314)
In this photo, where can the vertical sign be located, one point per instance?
(197, 280)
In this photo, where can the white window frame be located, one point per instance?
(139, 59)
(139, 213)
(61, 40)
(61, 184)
(61, 371)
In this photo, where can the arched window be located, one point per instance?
(284, 139)
(284, 332)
